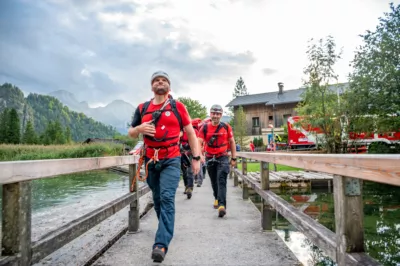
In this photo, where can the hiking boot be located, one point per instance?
(189, 192)
(158, 254)
(221, 211)
(215, 204)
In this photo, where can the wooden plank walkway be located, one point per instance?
(201, 238)
(294, 178)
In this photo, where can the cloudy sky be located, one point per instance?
(107, 49)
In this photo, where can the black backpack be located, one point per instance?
(214, 138)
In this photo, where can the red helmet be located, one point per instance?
(196, 122)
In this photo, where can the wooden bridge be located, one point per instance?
(246, 240)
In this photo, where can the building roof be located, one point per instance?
(269, 98)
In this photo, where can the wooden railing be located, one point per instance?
(346, 246)
(15, 177)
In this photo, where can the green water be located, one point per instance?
(56, 201)
(59, 200)
(66, 188)
(381, 222)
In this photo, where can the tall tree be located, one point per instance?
(240, 88)
(194, 107)
(4, 126)
(29, 136)
(373, 98)
(14, 128)
(240, 129)
(68, 135)
(320, 106)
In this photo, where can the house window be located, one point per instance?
(270, 118)
(256, 121)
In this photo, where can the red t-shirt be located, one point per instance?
(167, 127)
(223, 136)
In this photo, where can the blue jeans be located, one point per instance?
(163, 182)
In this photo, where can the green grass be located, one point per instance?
(255, 167)
(41, 152)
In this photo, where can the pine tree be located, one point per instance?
(240, 88)
(29, 136)
(14, 130)
(4, 126)
(68, 135)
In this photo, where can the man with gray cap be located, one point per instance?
(217, 137)
(161, 121)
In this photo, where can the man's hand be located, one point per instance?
(202, 159)
(233, 163)
(147, 128)
(195, 167)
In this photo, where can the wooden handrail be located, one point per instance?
(17, 171)
(372, 167)
(316, 232)
(15, 179)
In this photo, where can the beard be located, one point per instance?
(215, 119)
(161, 91)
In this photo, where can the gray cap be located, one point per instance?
(160, 74)
(216, 108)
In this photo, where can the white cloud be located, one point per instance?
(276, 32)
(227, 34)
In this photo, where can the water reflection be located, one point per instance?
(381, 222)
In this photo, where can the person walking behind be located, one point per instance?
(186, 154)
(161, 121)
(216, 137)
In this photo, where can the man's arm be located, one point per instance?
(233, 147)
(137, 127)
(192, 138)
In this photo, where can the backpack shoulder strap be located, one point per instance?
(205, 130)
(175, 111)
(145, 106)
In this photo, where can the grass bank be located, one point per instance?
(255, 167)
(40, 152)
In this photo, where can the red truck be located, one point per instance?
(306, 137)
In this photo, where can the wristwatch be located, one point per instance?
(197, 158)
(233, 159)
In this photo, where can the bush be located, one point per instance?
(40, 152)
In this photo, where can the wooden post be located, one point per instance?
(245, 194)
(266, 214)
(17, 217)
(349, 217)
(133, 218)
(231, 172)
(244, 166)
(235, 180)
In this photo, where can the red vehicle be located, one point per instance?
(306, 137)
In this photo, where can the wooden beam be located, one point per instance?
(245, 192)
(17, 171)
(244, 166)
(266, 209)
(349, 217)
(133, 214)
(16, 221)
(317, 233)
(63, 235)
(9, 261)
(376, 168)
